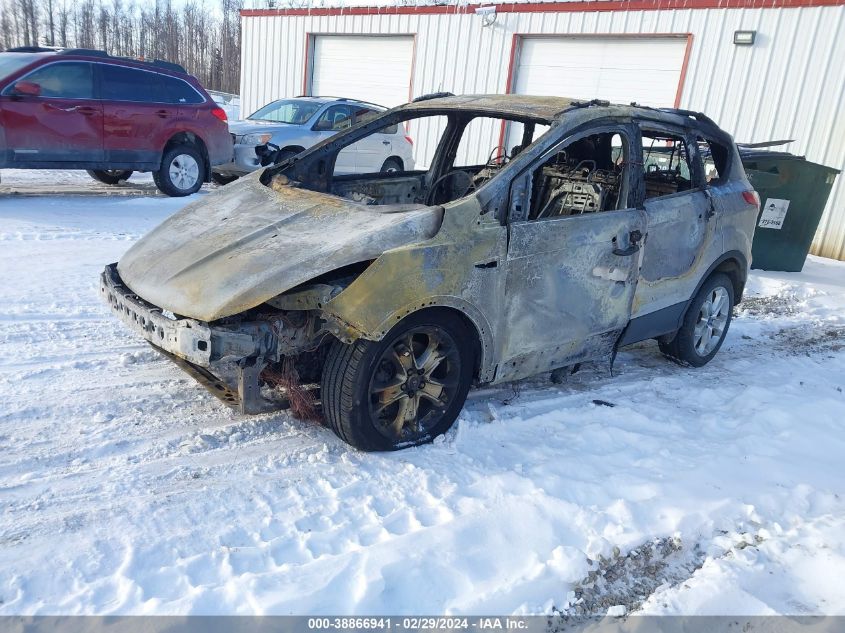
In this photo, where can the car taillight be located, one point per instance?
(220, 113)
(752, 197)
(409, 139)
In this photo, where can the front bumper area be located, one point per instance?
(244, 160)
(192, 340)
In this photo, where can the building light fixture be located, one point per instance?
(744, 38)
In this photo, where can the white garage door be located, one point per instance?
(619, 69)
(371, 68)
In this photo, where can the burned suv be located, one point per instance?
(384, 297)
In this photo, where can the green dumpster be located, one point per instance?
(793, 193)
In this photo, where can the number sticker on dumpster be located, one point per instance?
(774, 213)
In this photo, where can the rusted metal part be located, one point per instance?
(539, 108)
(215, 386)
(249, 382)
(310, 297)
(249, 385)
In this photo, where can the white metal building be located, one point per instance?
(788, 84)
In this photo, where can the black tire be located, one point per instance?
(110, 176)
(222, 179)
(392, 165)
(353, 374)
(164, 179)
(686, 346)
(282, 155)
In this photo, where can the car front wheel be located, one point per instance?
(401, 391)
(181, 172)
(705, 324)
(110, 176)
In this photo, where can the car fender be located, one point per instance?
(298, 137)
(717, 265)
(454, 269)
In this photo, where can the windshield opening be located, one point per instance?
(410, 159)
(286, 111)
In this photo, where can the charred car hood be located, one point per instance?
(244, 244)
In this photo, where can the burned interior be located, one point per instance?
(666, 164)
(458, 164)
(586, 176)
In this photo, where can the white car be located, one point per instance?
(293, 125)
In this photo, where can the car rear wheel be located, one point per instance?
(705, 324)
(110, 176)
(401, 391)
(222, 179)
(181, 172)
(392, 165)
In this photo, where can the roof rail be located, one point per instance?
(93, 52)
(378, 105)
(33, 49)
(433, 95)
(351, 99)
(324, 97)
(698, 116)
(168, 65)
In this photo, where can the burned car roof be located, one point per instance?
(546, 109)
(518, 106)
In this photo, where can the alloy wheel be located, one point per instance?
(712, 319)
(416, 378)
(184, 171)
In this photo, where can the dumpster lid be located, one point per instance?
(760, 150)
(761, 153)
(764, 144)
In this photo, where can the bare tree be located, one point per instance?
(205, 39)
(51, 27)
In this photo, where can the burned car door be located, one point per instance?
(680, 230)
(572, 261)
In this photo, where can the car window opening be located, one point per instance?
(291, 111)
(454, 161)
(585, 176)
(65, 80)
(715, 157)
(666, 164)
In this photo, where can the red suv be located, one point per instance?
(84, 109)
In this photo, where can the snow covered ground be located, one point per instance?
(126, 488)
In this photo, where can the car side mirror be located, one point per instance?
(27, 88)
(322, 126)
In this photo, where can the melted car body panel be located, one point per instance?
(247, 243)
(452, 270)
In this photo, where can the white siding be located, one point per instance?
(374, 69)
(618, 69)
(790, 84)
